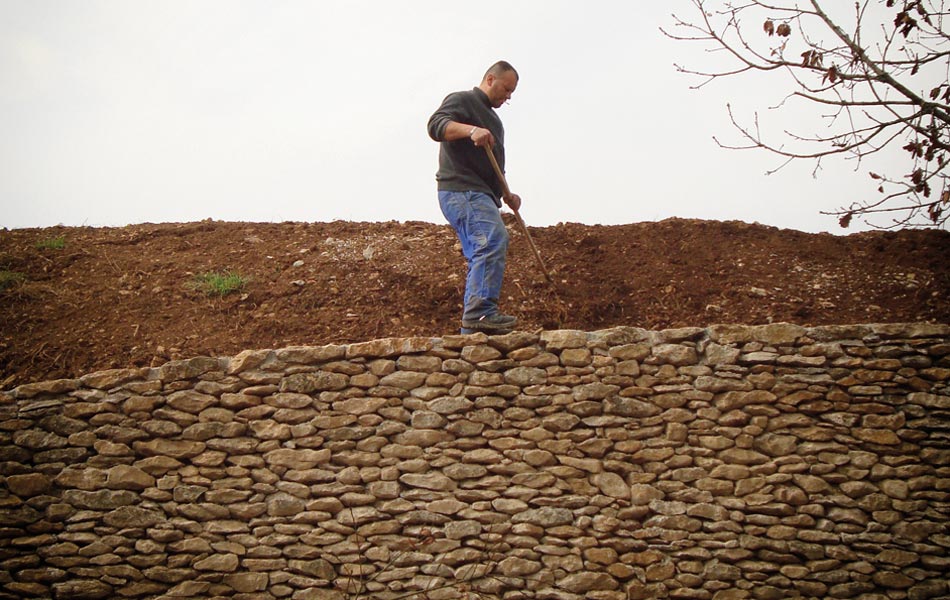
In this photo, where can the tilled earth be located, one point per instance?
(121, 297)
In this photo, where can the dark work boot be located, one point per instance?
(497, 323)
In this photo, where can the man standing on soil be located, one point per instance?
(470, 193)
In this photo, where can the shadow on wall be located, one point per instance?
(729, 462)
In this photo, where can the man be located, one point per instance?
(470, 193)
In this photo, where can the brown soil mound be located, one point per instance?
(119, 297)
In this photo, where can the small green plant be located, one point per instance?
(218, 283)
(55, 243)
(9, 279)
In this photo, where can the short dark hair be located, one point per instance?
(500, 68)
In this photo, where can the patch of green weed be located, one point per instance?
(10, 278)
(218, 283)
(55, 243)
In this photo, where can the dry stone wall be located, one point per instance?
(723, 463)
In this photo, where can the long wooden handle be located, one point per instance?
(524, 228)
(501, 176)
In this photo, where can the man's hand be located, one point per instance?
(482, 137)
(513, 201)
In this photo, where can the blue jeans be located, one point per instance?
(484, 238)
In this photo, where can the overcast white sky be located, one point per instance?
(127, 111)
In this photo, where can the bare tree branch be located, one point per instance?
(888, 81)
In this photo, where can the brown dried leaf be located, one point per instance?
(769, 27)
(935, 212)
(784, 30)
(830, 75)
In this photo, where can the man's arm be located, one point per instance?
(457, 131)
(443, 126)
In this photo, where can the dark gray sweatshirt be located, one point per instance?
(464, 167)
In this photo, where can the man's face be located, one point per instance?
(501, 88)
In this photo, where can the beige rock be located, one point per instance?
(32, 484)
(176, 449)
(584, 582)
(514, 566)
(388, 347)
(545, 517)
(612, 485)
(429, 481)
(298, 458)
(563, 338)
(310, 355)
(406, 380)
(308, 383)
(227, 563)
(675, 354)
(125, 477)
(134, 517)
(247, 583)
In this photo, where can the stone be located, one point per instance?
(525, 376)
(247, 360)
(630, 407)
(125, 477)
(450, 405)
(545, 517)
(594, 391)
(247, 583)
(284, 505)
(514, 566)
(298, 458)
(192, 368)
(675, 354)
(776, 445)
(778, 334)
(612, 485)
(226, 563)
(309, 355)
(388, 347)
(586, 581)
(739, 456)
(54, 387)
(134, 517)
(429, 481)
(717, 354)
(733, 400)
(884, 437)
(99, 500)
(29, 485)
(576, 357)
(634, 352)
(176, 449)
(406, 380)
(39, 440)
(82, 589)
(563, 338)
(104, 380)
(716, 385)
(191, 401)
(308, 383)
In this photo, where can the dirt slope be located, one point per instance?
(118, 297)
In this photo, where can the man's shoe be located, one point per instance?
(491, 323)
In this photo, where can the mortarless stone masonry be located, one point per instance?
(723, 463)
